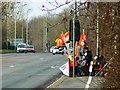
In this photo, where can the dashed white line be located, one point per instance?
(88, 82)
(12, 66)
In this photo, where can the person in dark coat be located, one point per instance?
(88, 58)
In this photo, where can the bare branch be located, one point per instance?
(52, 3)
(56, 7)
(56, 2)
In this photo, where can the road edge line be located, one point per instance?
(55, 82)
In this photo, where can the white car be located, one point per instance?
(54, 51)
(21, 48)
(59, 50)
(52, 48)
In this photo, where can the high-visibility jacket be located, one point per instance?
(71, 61)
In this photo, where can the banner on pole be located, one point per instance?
(82, 40)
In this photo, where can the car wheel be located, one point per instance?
(62, 53)
(25, 52)
(33, 51)
(53, 53)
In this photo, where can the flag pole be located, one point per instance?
(82, 32)
(97, 32)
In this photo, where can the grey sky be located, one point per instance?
(36, 6)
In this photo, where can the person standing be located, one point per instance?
(70, 58)
(88, 58)
(80, 51)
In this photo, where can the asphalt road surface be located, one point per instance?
(31, 70)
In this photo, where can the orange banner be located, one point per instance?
(82, 40)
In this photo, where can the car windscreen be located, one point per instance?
(53, 47)
(29, 47)
(21, 46)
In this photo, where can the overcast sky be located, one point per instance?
(36, 6)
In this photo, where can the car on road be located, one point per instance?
(21, 48)
(56, 50)
(30, 48)
(59, 50)
(51, 49)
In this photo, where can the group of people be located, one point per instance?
(83, 61)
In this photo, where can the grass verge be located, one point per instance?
(7, 51)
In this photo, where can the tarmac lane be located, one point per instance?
(30, 70)
(13, 58)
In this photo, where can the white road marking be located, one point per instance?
(57, 66)
(52, 67)
(41, 58)
(88, 82)
(12, 66)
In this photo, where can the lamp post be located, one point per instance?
(27, 27)
(46, 30)
(74, 43)
(97, 32)
(22, 18)
(15, 16)
(45, 41)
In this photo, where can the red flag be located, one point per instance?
(60, 40)
(66, 35)
(82, 40)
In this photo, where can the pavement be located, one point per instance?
(83, 82)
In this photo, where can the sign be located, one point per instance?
(65, 69)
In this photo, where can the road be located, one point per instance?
(31, 70)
